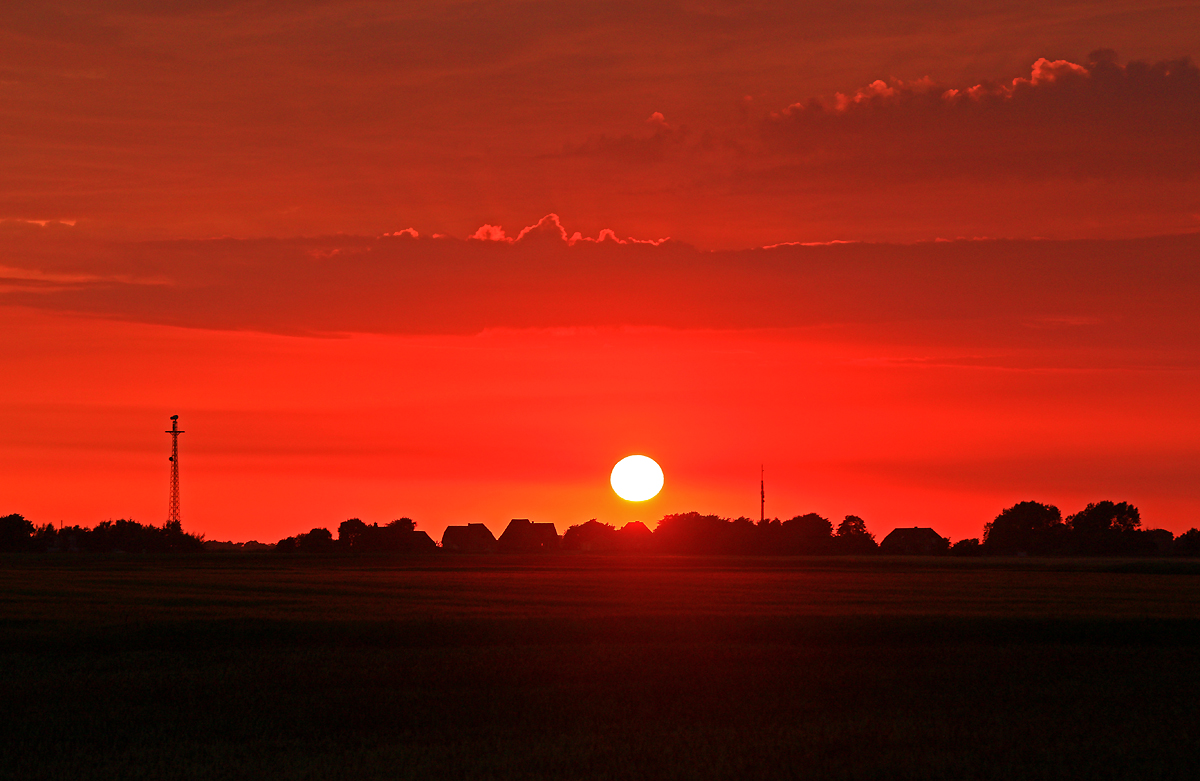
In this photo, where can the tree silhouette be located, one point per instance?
(45, 538)
(1187, 544)
(634, 537)
(1100, 517)
(742, 537)
(351, 532)
(691, 533)
(354, 536)
(807, 534)
(15, 532)
(852, 536)
(591, 536)
(967, 547)
(1107, 528)
(1158, 541)
(1026, 527)
(124, 535)
(769, 534)
(318, 540)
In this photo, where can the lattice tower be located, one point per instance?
(173, 508)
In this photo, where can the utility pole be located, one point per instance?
(173, 509)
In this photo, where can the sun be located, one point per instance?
(637, 478)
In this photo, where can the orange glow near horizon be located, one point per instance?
(289, 433)
(453, 263)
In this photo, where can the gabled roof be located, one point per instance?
(524, 536)
(472, 538)
(913, 539)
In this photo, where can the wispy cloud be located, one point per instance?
(550, 227)
(1074, 295)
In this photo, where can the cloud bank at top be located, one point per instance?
(692, 121)
(1099, 120)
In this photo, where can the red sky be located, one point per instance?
(196, 204)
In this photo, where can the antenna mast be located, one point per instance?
(762, 494)
(173, 508)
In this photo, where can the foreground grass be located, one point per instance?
(578, 667)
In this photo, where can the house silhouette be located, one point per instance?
(524, 536)
(472, 538)
(914, 541)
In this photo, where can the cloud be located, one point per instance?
(1102, 81)
(808, 243)
(1068, 148)
(490, 233)
(39, 223)
(550, 228)
(1065, 120)
(269, 118)
(1135, 296)
(664, 141)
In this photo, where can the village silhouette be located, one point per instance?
(1026, 529)
(1103, 528)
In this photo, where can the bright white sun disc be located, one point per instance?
(637, 478)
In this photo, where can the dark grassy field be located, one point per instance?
(589, 667)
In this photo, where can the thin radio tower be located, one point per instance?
(762, 494)
(173, 510)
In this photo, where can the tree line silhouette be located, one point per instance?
(121, 536)
(354, 536)
(693, 533)
(1027, 528)
(1100, 529)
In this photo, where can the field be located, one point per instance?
(594, 667)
